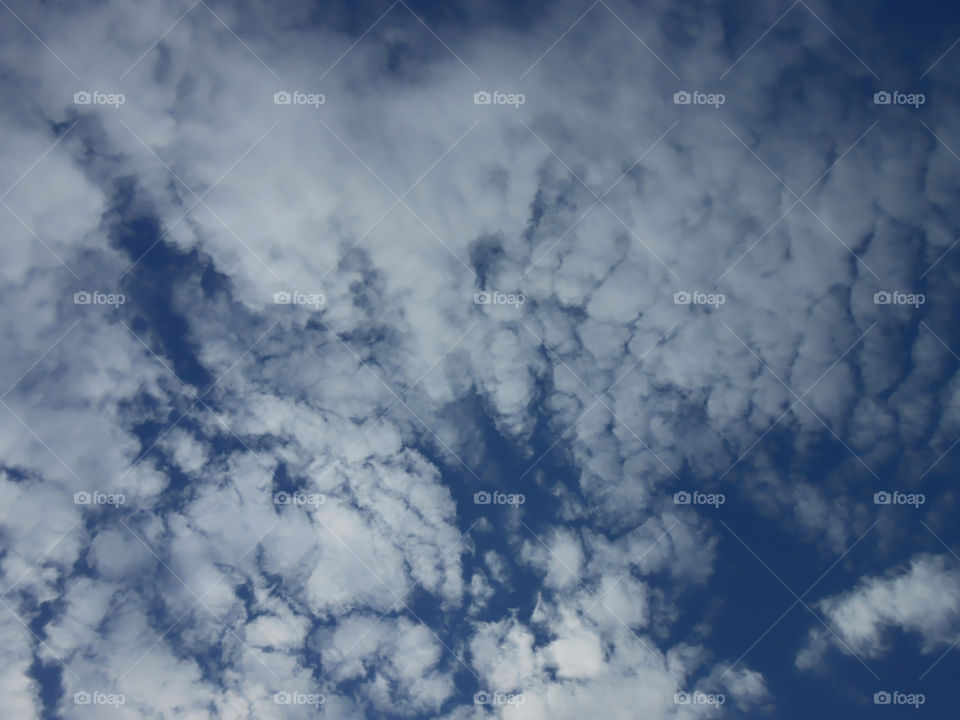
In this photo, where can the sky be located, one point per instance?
(479, 360)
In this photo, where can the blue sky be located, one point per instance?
(459, 360)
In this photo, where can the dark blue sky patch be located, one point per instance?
(157, 269)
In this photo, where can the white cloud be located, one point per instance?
(923, 598)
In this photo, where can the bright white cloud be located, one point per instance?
(922, 599)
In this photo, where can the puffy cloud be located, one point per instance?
(396, 663)
(502, 652)
(923, 598)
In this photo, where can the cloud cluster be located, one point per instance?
(295, 473)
